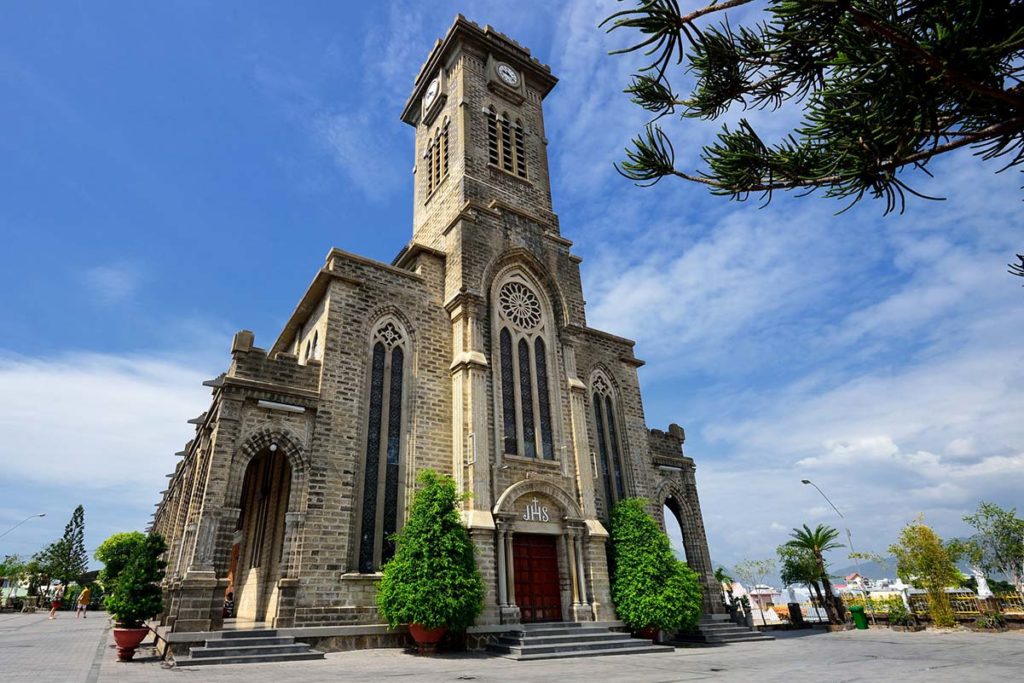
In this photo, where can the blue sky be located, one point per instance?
(173, 172)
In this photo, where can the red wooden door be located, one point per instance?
(535, 564)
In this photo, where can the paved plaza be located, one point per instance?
(34, 649)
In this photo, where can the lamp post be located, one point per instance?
(41, 514)
(849, 539)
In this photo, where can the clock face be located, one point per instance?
(508, 74)
(431, 94)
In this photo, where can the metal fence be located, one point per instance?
(1010, 603)
(876, 605)
(967, 606)
(963, 605)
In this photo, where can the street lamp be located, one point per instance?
(41, 514)
(849, 539)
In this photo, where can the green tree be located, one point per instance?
(432, 580)
(925, 562)
(818, 542)
(136, 592)
(755, 573)
(115, 553)
(66, 559)
(651, 587)
(799, 565)
(998, 545)
(885, 86)
(13, 569)
(35, 572)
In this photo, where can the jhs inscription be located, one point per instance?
(535, 512)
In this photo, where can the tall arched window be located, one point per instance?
(525, 386)
(506, 144)
(608, 444)
(436, 157)
(381, 474)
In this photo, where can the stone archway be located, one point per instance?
(674, 504)
(265, 489)
(541, 543)
(674, 529)
(261, 528)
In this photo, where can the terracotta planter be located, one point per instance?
(427, 638)
(128, 640)
(648, 633)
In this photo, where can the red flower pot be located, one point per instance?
(427, 638)
(128, 640)
(648, 633)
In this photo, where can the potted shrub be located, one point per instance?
(432, 582)
(653, 590)
(135, 595)
(114, 553)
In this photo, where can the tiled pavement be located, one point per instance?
(41, 651)
(36, 649)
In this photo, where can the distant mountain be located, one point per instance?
(871, 570)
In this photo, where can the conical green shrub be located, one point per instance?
(432, 580)
(650, 586)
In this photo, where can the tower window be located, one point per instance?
(525, 391)
(520, 149)
(507, 156)
(506, 144)
(437, 158)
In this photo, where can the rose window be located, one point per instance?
(519, 305)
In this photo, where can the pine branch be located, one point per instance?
(951, 76)
(1017, 268)
(992, 132)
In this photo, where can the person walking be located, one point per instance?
(83, 603)
(56, 599)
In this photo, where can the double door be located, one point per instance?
(535, 565)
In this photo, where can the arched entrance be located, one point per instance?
(541, 541)
(257, 558)
(674, 528)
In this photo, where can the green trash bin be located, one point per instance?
(859, 619)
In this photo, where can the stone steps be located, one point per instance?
(248, 647)
(558, 641)
(718, 632)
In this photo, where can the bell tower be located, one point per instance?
(477, 109)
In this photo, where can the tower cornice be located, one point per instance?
(487, 38)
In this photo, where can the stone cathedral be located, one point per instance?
(469, 354)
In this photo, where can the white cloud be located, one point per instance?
(96, 421)
(112, 284)
(94, 429)
(877, 355)
(361, 151)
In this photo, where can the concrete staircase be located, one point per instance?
(248, 647)
(569, 639)
(721, 631)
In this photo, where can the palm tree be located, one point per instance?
(818, 541)
(723, 578)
